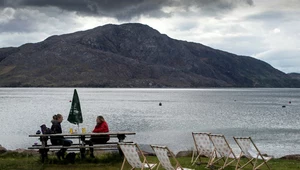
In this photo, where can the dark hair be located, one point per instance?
(56, 117)
(101, 118)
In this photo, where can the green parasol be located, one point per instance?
(75, 115)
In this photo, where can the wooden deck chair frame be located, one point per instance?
(177, 166)
(198, 153)
(224, 157)
(250, 157)
(145, 163)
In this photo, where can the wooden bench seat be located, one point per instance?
(45, 147)
(73, 146)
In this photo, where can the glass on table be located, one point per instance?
(71, 130)
(83, 130)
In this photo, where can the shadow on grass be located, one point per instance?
(105, 158)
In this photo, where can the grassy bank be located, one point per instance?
(23, 161)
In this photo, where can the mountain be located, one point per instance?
(131, 55)
(294, 75)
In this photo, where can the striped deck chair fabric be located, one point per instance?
(203, 146)
(162, 153)
(249, 150)
(133, 155)
(223, 148)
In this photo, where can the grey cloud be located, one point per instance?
(213, 7)
(17, 25)
(127, 9)
(267, 15)
(15, 40)
(286, 60)
(240, 45)
(186, 25)
(217, 3)
(274, 19)
(30, 21)
(113, 8)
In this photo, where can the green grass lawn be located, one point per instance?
(17, 161)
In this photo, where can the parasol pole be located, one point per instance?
(78, 132)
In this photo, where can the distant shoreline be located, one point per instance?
(225, 87)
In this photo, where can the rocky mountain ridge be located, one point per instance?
(131, 55)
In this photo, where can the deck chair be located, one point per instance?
(223, 148)
(250, 151)
(162, 153)
(203, 146)
(132, 154)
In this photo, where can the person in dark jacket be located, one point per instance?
(101, 127)
(59, 140)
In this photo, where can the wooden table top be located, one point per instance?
(85, 134)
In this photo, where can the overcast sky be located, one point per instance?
(265, 29)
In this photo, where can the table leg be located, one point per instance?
(82, 150)
(44, 152)
(121, 138)
(120, 151)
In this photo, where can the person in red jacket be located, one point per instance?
(101, 127)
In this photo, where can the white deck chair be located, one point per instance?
(132, 154)
(203, 146)
(162, 153)
(223, 148)
(250, 151)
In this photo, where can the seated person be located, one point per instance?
(101, 127)
(59, 140)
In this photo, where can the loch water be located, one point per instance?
(255, 112)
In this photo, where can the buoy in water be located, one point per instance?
(290, 102)
(160, 104)
(70, 101)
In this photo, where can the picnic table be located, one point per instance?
(44, 147)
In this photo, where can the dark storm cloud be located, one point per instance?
(127, 9)
(215, 5)
(113, 8)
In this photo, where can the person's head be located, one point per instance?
(100, 119)
(58, 117)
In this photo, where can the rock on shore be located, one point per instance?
(2, 149)
(292, 157)
(184, 153)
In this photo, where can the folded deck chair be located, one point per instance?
(223, 148)
(132, 154)
(203, 146)
(162, 153)
(250, 151)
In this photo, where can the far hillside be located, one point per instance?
(131, 55)
(294, 75)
